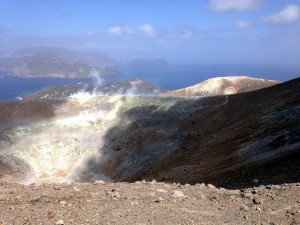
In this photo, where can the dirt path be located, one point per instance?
(147, 203)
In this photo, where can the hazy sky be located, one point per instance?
(205, 31)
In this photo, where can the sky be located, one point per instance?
(203, 31)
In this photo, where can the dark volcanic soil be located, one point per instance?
(227, 141)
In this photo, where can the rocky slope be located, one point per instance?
(224, 86)
(218, 139)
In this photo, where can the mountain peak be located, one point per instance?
(224, 86)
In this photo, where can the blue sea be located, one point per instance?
(171, 77)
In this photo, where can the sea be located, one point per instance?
(170, 77)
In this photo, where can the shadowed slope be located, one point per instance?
(227, 141)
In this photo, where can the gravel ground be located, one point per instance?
(147, 203)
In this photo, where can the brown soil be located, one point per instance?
(147, 203)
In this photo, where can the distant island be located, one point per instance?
(48, 61)
(55, 62)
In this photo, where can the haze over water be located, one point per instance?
(170, 77)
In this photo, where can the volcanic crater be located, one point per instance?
(226, 140)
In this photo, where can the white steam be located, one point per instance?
(57, 150)
(97, 76)
(132, 88)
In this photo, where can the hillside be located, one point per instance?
(93, 58)
(135, 86)
(128, 138)
(224, 86)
